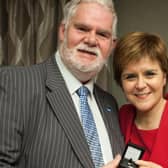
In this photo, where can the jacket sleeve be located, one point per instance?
(10, 120)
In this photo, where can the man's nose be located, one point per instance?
(91, 39)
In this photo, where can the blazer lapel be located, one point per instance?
(64, 109)
(109, 112)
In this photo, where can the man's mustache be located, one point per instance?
(91, 50)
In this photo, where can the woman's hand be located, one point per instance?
(146, 164)
(114, 163)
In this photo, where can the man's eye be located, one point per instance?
(104, 35)
(82, 29)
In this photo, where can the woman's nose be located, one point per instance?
(141, 83)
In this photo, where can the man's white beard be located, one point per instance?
(76, 65)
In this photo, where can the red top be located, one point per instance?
(143, 138)
(155, 141)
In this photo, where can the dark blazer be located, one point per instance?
(39, 125)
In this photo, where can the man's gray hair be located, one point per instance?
(71, 7)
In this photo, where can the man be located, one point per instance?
(40, 121)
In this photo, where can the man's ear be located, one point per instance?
(61, 31)
(115, 40)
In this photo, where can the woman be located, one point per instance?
(140, 65)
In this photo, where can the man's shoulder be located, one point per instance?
(17, 70)
(106, 96)
(103, 92)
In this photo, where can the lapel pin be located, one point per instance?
(108, 109)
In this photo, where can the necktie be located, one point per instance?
(89, 127)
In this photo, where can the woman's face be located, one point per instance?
(143, 84)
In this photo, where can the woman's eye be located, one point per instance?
(150, 74)
(129, 77)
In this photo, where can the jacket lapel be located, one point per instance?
(64, 109)
(109, 110)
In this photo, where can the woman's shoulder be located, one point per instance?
(127, 108)
(126, 112)
(126, 116)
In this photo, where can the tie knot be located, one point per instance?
(83, 91)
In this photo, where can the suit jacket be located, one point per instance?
(39, 125)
